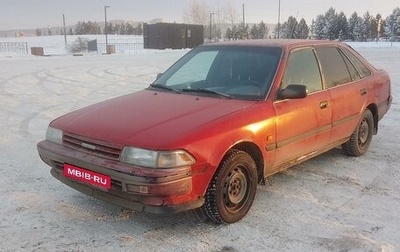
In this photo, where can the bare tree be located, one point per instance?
(198, 13)
(231, 14)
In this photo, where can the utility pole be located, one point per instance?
(243, 22)
(378, 29)
(65, 32)
(105, 23)
(211, 14)
(279, 17)
(243, 14)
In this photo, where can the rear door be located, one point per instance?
(302, 125)
(349, 93)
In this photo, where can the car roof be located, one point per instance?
(283, 43)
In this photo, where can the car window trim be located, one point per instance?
(312, 47)
(359, 58)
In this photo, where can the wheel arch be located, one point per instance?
(374, 110)
(254, 151)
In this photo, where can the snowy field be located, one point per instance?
(330, 203)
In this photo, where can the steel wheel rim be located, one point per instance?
(235, 189)
(363, 133)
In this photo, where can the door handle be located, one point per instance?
(363, 91)
(323, 104)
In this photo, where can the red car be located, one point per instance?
(216, 123)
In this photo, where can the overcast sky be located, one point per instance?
(31, 14)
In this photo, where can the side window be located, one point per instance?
(334, 69)
(302, 68)
(353, 72)
(361, 68)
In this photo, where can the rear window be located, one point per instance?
(361, 68)
(334, 69)
(355, 75)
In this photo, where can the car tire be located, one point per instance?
(361, 138)
(232, 190)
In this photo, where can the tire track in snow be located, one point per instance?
(23, 127)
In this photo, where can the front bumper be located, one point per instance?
(162, 191)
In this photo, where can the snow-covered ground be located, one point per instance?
(330, 203)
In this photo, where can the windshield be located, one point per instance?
(230, 72)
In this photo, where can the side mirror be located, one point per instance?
(293, 92)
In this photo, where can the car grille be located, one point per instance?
(91, 146)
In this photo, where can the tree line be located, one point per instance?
(257, 31)
(329, 26)
(82, 28)
(332, 25)
(335, 26)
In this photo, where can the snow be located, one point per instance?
(375, 44)
(330, 203)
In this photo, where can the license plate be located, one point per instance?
(86, 176)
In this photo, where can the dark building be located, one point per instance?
(174, 36)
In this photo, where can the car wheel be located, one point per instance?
(232, 189)
(361, 138)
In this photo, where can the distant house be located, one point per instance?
(172, 35)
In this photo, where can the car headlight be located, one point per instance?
(156, 159)
(54, 135)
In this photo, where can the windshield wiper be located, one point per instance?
(160, 86)
(206, 91)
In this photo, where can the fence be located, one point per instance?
(14, 47)
(56, 48)
(121, 47)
